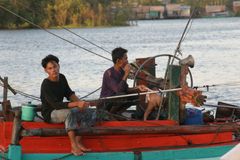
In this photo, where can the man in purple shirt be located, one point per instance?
(114, 83)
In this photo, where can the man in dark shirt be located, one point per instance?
(53, 89)
(114, 83)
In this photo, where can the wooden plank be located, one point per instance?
(187, 129)
(16, 128)
(174, 72)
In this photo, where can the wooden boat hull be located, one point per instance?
(111, 143)
(203, 153)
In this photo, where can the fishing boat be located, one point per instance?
(130, 138)
(125, 139)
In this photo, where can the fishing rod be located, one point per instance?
(222, 106)
(216, 85)
(183, 36)
(94, 102)
(64, 39)
(142, 93)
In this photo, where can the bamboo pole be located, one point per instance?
(135, 130)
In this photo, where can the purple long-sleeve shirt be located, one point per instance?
(112, 83)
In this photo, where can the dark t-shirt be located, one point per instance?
(112, 83)
(52, 94)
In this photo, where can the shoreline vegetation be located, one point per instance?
(56, 13)
(80, 13)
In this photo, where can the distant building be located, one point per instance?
(160, 12)
(177, 11)
(216, 10)
(185, 11)
(149, 12)
(236, 7)
(141, 12)
(156, 12)
(173, 10)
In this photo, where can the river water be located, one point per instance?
(214, 43)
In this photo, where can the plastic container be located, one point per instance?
(193, 117)
(28, 112)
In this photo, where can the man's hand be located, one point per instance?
(127, 69)
(142, 88)
(82, 105)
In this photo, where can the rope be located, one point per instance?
(86, 40)
(24, 6)
(90, 93)
(25, 94)
(64, 39)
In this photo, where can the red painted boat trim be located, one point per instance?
(109, 143)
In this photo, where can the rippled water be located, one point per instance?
(214, 43)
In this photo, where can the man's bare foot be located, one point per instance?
(83, 148)
(77, 151)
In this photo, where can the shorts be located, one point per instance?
(74, 118)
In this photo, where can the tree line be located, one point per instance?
(54, 13)
(83, 13)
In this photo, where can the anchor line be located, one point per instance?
(64, 39)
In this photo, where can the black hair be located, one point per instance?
(118, 53)
(49, 58)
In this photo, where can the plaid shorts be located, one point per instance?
(74, 118)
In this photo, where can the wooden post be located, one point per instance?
(6, 105)
(16, 128)
(9, 87)
(174, 72)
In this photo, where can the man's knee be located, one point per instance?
(59, 116)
